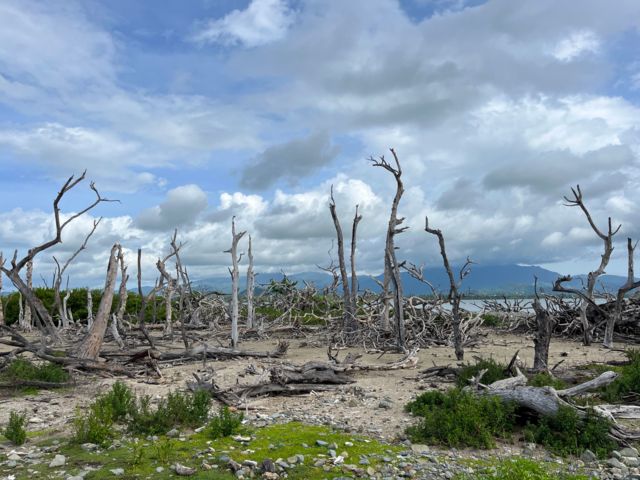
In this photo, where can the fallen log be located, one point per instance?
(207, 351)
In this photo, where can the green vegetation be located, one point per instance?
(494, 371)
(544, 379)
(628, 381)
(14, 431)
(225, 423)
(21, 370)
(520, 469)
(460, 419)
(569, 434)
(491, 320)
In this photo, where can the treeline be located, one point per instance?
(77, 305)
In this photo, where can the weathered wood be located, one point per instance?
(235, 278)
(251, 278)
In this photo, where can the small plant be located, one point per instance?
(14, 430)
(491, 320)
(96, 426)
(628, 382)
(544, 379)
(21, 370)
(494, 371)
(225, 423)
(189, 409)
(458, 418)
(119, 401)
(137, 452)
(569, 434)
(164, 450)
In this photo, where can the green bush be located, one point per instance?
(225, 423)
(520, 469)
(544, 379)
(118, 401)
(188, 409)
(96, 426)
(460, 419)
(569, 434)
(628, 381)
(495, 371)
(491, 320)
(14, 431)
(21, 369)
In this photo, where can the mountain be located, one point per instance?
(510, 280)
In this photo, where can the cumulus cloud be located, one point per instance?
(290, 161)
(181, 207)
(262, 22)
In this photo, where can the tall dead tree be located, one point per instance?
(27, 319)
(117, 319)
(348, 319)
(391, 266)
(544, 329)
(59, 274)
(455, 296)
(354, 275)
(235, 278)
(251, 278)
(592, 277)
(171, 283)
(90, 346)
(89, 308)
(629, 285)
(13, 273)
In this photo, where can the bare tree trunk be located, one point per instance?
(347, 316)
(20, 309)
(1, 305)
(392, 268)
(168, 308)
(354, 276)
(545, 324)
(235, 278)
(251, 277)
(607, 239)
(89, 308)
(629, 285)
(92, 342)
(28, 314)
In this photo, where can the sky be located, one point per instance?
(190, 113)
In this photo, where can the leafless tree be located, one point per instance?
(544, 329)
(391, 266)
(592, 277)
(118, 318)
(89, 308)
(59, 274)
(455, 296)
(13, 273)
(1, 305)
(354, 275)
(171, 283)
(348, 319)
(629, 285)
(27, 318)
(332, 269)
(251, 278)
(90, 346)
(235, 278)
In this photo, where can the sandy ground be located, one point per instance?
(355, 407)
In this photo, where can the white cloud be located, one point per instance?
(181, 207)
(262, 22)
(576, 44)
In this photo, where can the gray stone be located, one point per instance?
(321, 443)
(117, 471)
(588, 456)
(58, 461)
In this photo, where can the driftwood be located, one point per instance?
(207, 351)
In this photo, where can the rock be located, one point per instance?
(36, 420)
(58, 461)
(629, 452)
(321, 443)
(15, 457)
(371, 471)
(75, 477)
(385, 404)
(89, 447)
(268, 466)
(118, 472)
(173, 433)
(588, 456)
(419, 449)
(250, 463)
(615, 463)
(233, 465)
(159, 469)
(183, 470)
(270, 476)
(630, 461)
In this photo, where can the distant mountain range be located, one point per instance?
(484, 280)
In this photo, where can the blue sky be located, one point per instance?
(192, 112)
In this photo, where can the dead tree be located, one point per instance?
(354, 276)
(455, 296)
(90, 346)
(251, 278)
(545, 324)
(143, 302)
(13, 273)
(171, 283)
(59, 274)
(235, 278)
(118, 318)
(391, 266)
(629, 285)
(348, 320)
(333, 270)
(27, 318)
(89, 308)
(592, 277)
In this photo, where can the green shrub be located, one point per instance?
(225, 423)
(118, 401)
(491, 320)
(188, 409)
(460, 419)
(495, 371)
(521, 469)
(569, 434)
(14, 431)
(628, 382)
(164, 450)
(21, 369)
(544, 379)
(96, 426)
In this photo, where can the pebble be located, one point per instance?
(58, 461)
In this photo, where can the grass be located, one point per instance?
(140, 458)
(628, 381)
(519, 469)
(23, 370)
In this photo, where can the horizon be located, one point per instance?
(192, 113)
